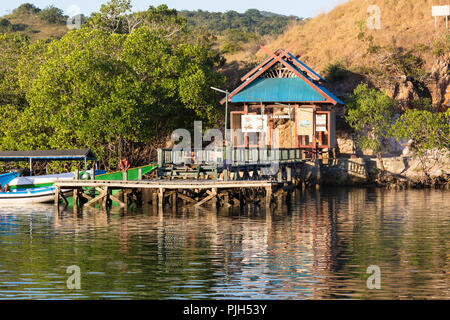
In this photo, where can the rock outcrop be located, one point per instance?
(440, 74)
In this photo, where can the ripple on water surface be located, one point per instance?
(317, 246)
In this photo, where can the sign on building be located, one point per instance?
(280, 116)
(305, 125)
(321, 123)
(254, 123)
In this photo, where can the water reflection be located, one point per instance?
(318, 245)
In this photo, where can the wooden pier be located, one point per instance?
(160, 192)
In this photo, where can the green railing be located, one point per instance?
(235, 156)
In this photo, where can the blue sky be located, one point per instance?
(301, 8)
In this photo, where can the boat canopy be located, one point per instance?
(7, 177)
(48, 155)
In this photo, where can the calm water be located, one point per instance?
(318, 246)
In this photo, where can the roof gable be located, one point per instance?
(282, 65)
(292, 89)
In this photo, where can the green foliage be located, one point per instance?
(112, 92)
(116, 17)
(12, 46)
(428, 130)
(370, 113)
(252, 21)
(422, 104)
(408, 64)
(235, 39)
(361, 24)
(5, 26)
(442, 46)
(335, 72)
(372, 47)
(26, 8)
(52, 15)
(112, 16)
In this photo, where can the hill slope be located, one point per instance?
(30, 20)
(407, 37)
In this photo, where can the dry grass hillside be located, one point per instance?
(33, 26)
(405, 23)
(406, 26)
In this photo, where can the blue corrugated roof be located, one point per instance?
(332, 96)
(306, 67)
(279, 90)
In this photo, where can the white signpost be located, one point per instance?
(321, 123)
(441, 11)
(254, 123)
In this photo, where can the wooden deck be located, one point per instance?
(159, 192)
(167, 184)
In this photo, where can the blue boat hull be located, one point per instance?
(33, 195)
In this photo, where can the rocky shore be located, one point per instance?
(400, 172)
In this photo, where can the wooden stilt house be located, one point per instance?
(283, 95)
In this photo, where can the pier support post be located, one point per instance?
(57, 191)
(289, 174)
(214, 199)
(154, 198)
(280, 175)
(268, 196)
(174, 200)
(125, 197)
(75, 200)
(105, 199)
(160, 199)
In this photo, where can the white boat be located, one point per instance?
(37, 189)
(32, 189)
(39, 181)
(32, 195)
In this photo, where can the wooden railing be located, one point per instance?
(234, 156)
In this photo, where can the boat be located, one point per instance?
(39, 181)
(40, 189)
(26, 194)
(32, 195)
(132, 174)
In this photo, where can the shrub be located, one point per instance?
(442, 46)
(370, 114)
(335, 72)
(422, 104)
(428, 130)
(5, 26)
(52, 14)
(26, 8)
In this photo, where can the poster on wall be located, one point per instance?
(305, 124)
(321, 123)
(254, 123)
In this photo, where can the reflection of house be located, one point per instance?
(285, 95)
